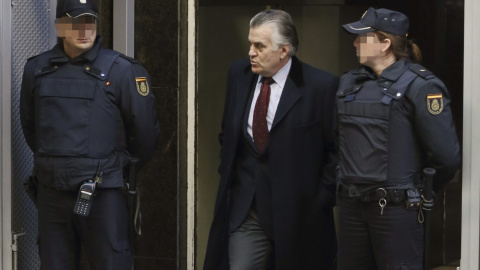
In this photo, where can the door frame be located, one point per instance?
(5, 135)
(471, 145)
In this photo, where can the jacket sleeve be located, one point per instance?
(435, 129)
(137, 105)
(27, 106)
(330, 153)
(226, 110)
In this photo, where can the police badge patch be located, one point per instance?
(142, 85)
(435, 103)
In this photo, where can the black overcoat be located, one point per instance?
(297, 181)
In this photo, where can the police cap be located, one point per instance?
(381, 19)
(76, 8)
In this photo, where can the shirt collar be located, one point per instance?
(281, 76)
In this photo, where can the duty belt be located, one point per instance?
(390, 195)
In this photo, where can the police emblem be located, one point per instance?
(142, 86)
(435, 103)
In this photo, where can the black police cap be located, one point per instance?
(76, 8)
(382, 19)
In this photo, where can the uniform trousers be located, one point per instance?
(103, 233)
(249, 247)
(369, 240)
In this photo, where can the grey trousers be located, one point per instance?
(249, 246)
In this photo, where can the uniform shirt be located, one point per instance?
(75, 116)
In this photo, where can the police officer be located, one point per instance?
(84, 112)
(394, 119)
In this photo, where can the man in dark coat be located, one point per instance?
(276, 194)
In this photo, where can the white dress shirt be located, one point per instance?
(276, 90)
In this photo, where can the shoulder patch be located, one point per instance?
(421, 71)
(142, 86)
(435, 103)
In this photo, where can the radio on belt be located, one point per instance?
(85, 198)
(86, 194)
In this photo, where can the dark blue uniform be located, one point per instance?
(79, 116)
(390, 127)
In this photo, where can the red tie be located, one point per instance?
(260, 127)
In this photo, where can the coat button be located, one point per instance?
(87, 68)
(399, 94)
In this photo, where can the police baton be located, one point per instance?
(427, 205)
(132, 204)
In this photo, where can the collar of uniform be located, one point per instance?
(91, 54)
(363, 72)
(59, 56)
(393, 72)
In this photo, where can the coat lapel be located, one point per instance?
(291, 92)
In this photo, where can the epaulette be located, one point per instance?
(37, 56)
(30, 58)
(130, 59)
(422, 72)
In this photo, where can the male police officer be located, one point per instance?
(84, 111)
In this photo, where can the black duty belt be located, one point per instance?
(390, 195)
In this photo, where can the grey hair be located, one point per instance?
(284, 31)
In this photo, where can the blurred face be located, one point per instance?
(265, 59)
(78, 34)
(369, 48)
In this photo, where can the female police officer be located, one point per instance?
(394, 119)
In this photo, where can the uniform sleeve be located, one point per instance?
(27, 107)
(435, 129)
(137, 105)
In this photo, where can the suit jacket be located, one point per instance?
(296, 184)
